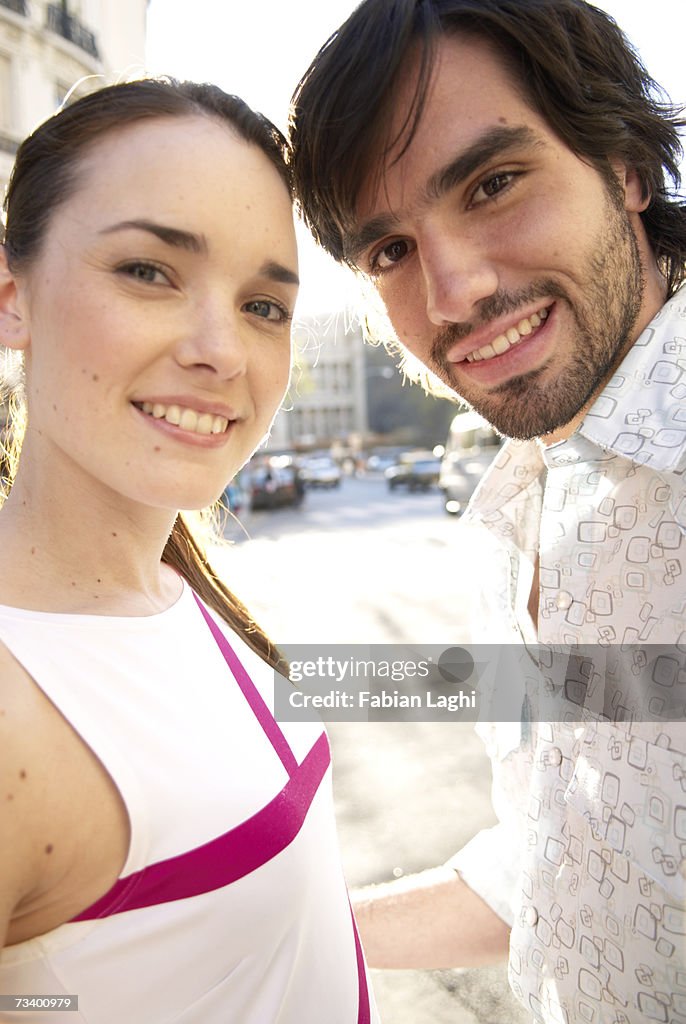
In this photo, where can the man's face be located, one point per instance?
(507, 265)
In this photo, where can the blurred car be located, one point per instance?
(379, 462)
(471, 447)
(234, 497)
(322, 471)
(416, 472)
(274, 484)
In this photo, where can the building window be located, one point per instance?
(18, 6)
(64, 23)
(5, 92)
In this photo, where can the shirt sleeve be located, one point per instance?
(491, 862)
(490, 865)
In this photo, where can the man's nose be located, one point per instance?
(457, 277)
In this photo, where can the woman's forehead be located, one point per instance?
(195, 161)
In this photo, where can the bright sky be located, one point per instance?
(260, 48)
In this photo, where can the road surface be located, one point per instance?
(361, 565)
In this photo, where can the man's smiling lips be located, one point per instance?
(502, 342)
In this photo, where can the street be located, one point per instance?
(358, 564)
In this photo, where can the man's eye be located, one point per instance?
(267, 310)
(392, 253)
(493, 186)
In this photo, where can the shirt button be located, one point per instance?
(554, 756)
(564, 600)
(530, 916)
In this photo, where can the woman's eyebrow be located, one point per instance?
(277, 272)
(170, 236)
(197, 243)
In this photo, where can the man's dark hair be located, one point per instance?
(574, 65)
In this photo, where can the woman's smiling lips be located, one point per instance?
(189, 419)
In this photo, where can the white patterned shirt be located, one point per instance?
(597, 810)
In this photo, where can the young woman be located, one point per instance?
(167, 850)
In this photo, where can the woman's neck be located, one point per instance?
(62, 554)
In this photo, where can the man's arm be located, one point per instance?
(427, 921)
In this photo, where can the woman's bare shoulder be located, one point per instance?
(57, 854)
(20, 743)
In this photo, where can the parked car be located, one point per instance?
(416, 471)
(274, 484)
(379, 462)
(471, 447)
(321, 471)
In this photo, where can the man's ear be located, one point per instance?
(636, 195)
(14, 330)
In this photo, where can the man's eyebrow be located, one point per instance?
(491, 143)
(277, 272)
(355, 242)
(170, 236)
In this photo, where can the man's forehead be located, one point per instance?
(468, 89)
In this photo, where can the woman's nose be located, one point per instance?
(217, 344)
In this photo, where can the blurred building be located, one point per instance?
(326, 403)
(348, 394)
(45, 48)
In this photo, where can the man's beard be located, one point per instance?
(537, 403)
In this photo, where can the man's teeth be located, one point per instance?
(510, 338)
(187, 419)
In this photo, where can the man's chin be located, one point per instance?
(522, 409)
(526, 424)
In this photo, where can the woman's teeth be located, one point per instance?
(186, 419)
(511, 337)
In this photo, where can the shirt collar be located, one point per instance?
(641, 414)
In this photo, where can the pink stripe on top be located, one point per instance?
(227, 858)
(242, 849)
(251, 694)
(363, 1007)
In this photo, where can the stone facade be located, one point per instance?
(46, 48)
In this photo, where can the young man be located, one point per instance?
(500, 169)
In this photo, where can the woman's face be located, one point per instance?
(158, 315)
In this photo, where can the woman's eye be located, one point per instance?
(392, 253)
(267, 310)
(146, 272)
